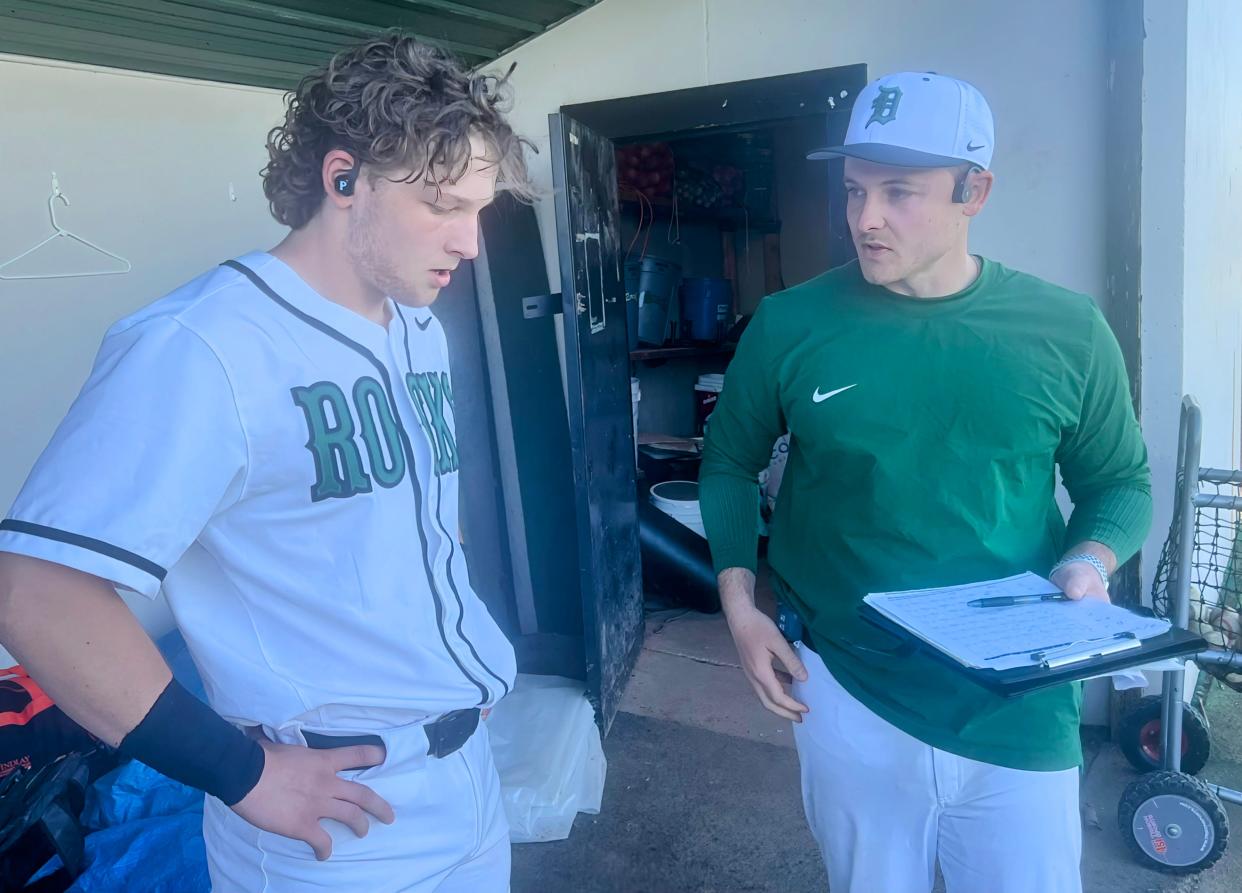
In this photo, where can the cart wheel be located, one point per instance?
(1140, 734)
(1173, 822)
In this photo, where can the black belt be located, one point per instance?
(444, 736)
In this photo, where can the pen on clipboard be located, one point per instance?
(1005, 601)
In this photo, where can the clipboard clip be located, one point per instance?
(1074, 652)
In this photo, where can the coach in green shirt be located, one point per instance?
(931, 396)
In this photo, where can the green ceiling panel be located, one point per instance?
(266, 43)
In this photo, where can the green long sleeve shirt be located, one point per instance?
(925, 440)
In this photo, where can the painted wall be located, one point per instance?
(147, 163)
(1213, 294)
(1192, 274)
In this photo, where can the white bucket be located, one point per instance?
(636, 396)
(680, 501)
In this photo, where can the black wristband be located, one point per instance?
(188, 741)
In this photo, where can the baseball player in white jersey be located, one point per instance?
(273, 445)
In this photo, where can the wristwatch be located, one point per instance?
(1089, 559)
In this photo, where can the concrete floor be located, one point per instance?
(702, 792)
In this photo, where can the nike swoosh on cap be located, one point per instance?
(820, 398)
(971, 147)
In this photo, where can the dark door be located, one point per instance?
(598, 399)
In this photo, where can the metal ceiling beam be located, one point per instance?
(316, 20)
(99, 17)
(229, 24)
(270, 43)
(392, 14)
(266, 12)
(63, 42)
(482, 15)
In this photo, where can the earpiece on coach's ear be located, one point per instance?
(962, 191)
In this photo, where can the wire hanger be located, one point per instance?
(61, 232)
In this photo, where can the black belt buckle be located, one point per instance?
(448, 733)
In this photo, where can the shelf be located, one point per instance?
(684, 352)
(725, 218)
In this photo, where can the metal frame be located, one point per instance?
(1189, 498)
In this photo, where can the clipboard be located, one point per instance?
(1024, 680)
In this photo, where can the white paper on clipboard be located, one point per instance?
(1007, 637)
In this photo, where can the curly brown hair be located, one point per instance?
(394, 103)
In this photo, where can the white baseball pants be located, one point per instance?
(450, 833)
(884, 806)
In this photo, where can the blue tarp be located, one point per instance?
(146, 835)
(145, 830)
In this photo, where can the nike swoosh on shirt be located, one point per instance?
(422, 323)
(820, 398)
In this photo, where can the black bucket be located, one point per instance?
(657, 281)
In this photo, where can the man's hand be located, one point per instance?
(759, 643)
(299, 786)
(1080, 580)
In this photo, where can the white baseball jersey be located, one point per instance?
(287, 470)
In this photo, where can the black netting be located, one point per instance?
(1215, 573)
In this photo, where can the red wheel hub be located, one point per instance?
(1151, 742)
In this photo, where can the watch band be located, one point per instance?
(1089, 559)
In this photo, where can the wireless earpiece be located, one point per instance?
(962, 191)
(345, 181)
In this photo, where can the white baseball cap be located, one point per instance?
(918, 119)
